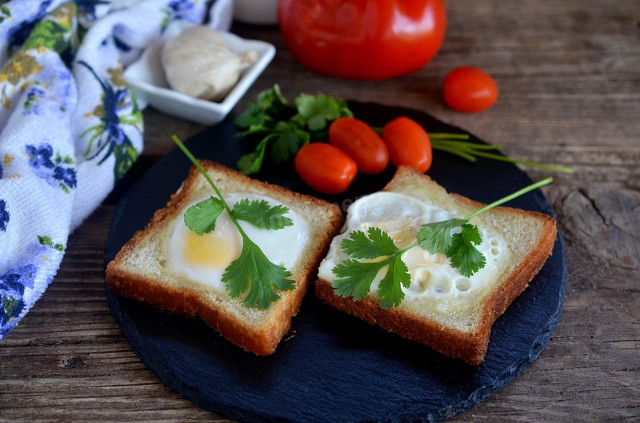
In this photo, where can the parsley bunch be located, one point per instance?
(377, 248)
(285, 126)
(252, 270)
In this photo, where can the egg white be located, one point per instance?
(432, 277)
(283, 247)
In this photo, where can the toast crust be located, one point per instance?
(471, 346)
(188, 300)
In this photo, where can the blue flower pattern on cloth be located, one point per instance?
(116, 110)
(57, 171)
(177, 9)
(87, 10)
(21, 277)
(19, 33)
(12, 286)
(69, 126)
(4, 213)
(31, 106)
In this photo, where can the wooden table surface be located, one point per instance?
(569, 77)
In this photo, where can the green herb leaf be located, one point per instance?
(390, 290)
(436, 237)
(355, 278)
(252, 162)
(464, 256)
(270, 107)
(288, 141)
(378, 244)
(201, 218)
(318, 111)
(274, 101)
(253, 271)
(261, 214)
(253, 115)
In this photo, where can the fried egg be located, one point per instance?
(204, 258)
(432, 278)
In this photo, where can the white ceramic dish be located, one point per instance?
(146, 78)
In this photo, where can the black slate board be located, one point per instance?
(333, 367)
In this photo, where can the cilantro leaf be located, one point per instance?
(317, 111)
(376, 245)
(288, 141)
(259, 213)
(274, 102)
(436, 237)
(355, 278)
(390, 290)
(463, 254)
(270, 107)
(201, 218)
(253, 271)
(252, 162)
(253, 115)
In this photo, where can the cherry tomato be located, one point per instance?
(408, 144)
(469, 89)
(363, 39)
(361, 143)
(325, 167)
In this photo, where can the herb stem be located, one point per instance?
(447, 136)
(563, 169)
(470, 146)
(204, 173)
(453, 150)
(511, 197)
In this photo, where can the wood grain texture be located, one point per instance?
(569, 74)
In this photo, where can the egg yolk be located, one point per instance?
(402, 231)
(215, 249)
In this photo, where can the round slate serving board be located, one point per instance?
(333, 367)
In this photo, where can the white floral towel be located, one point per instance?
(69, 127)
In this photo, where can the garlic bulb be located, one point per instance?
(199, 63)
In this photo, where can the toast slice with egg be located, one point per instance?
(442, 309)
(168, 265)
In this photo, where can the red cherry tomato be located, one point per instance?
(358, 39)
(469, 89)
(361, 143)
(325, 167)
(408, 144)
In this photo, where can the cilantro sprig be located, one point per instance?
(285, 126)
(455, 238)
(252, 271)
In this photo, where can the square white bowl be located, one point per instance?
(147, 80)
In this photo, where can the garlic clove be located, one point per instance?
(199, 63)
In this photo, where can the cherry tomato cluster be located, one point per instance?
(356, 147)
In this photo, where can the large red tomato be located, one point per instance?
(363, 39)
